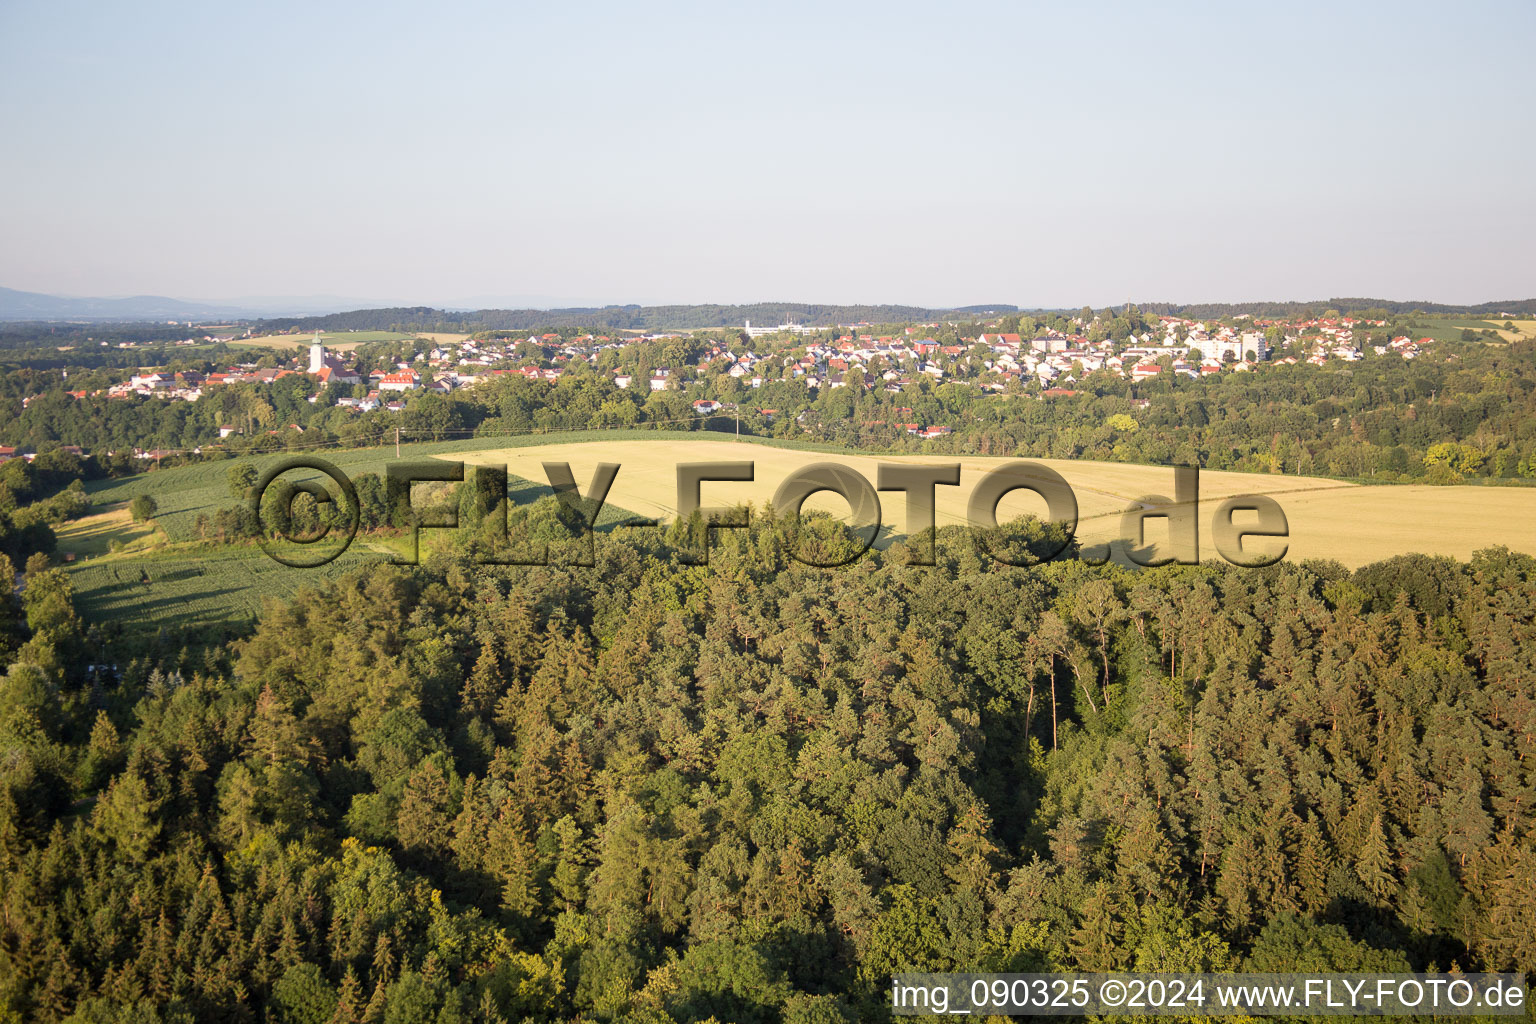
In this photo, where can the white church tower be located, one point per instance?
(316, 355)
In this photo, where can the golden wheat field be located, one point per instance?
(1523, 329)
(1353, 524)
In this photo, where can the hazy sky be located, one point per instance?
(934, 153)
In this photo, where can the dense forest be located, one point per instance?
(749, 791)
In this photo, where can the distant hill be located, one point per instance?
(294, 313)
(768, 314)
(631, 317)
(18, 305)
(1278, 310)
(15, 305)
(309, 313)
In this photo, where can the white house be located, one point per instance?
(404, 380)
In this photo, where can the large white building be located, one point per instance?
(1242, 347)
(758, 332)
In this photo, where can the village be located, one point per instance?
(1051, 362)
(990, 360)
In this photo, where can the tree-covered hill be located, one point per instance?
(766, 314)
(750, 791)
(631, 317)
(1288, 310)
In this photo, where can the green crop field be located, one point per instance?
(182, 492)
(1450, 328)
(193, 587)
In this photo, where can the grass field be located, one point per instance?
(92, 536)
(190, 584)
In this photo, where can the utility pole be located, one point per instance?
(397, 442)
(738, 421)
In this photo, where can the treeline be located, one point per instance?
(36, 496)
(30, 334)
(765, 314)
(393, 318)
(750, 791)
(1308, 310)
